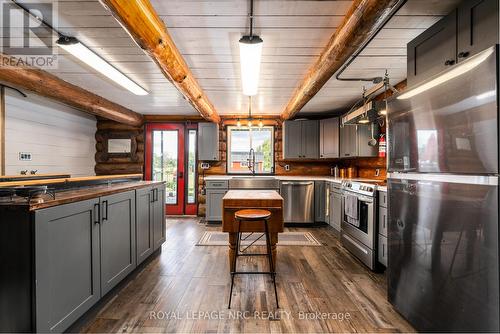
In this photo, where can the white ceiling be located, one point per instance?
(207, 33)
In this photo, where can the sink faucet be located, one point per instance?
(251, 161)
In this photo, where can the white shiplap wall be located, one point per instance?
(60, 138)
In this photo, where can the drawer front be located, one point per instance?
(382, 249)
(223, 184)
(382, 221)
(382, 199)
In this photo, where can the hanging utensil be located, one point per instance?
(372, 141)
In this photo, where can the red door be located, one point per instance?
(168, 154)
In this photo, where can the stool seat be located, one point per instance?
(252, 214)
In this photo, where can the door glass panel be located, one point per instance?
(191, 166)
(165, 162)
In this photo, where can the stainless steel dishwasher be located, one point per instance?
(298, 204)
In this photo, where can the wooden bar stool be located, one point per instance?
(253, 215)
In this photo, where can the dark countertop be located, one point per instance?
(81, 194)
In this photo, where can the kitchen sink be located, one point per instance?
(253, 182)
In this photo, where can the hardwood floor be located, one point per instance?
(185, 289)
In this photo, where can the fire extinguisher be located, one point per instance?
(382, 146)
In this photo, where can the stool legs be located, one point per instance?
(233, 272)
(271, 262)
(268, 254)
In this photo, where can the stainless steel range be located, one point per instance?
(359, 221)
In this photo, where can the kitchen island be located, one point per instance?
(235, 200)
(63, 251)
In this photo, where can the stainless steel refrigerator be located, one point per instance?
(443, 266)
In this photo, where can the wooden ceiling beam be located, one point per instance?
(48, 85)
(141, 21)
(360, 22)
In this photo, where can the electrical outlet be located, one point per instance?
(24, 156)
(205, 165)
(287, 168)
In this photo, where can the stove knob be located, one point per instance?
(369, 189)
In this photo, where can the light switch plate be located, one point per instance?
(24, 156)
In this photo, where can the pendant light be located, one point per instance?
(250, 59)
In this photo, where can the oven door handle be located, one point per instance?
(355, 243)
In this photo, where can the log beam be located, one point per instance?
(142, 22)
(48, 85)
(361, 20)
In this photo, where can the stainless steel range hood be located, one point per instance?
(368, 113)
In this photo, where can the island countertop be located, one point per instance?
(80, 194)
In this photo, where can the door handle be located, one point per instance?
(105, 210)
(97, 210)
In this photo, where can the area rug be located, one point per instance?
(215, 238)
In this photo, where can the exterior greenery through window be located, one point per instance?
(239, 143)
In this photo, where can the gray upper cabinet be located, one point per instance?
(329, 138)
(301, 139)
(208, 141)
(477, 27)
(158, 210)
(432, 51)
(118, 256)
(292, 140)
(348, 141)
(363, 136)
(310, 139)
(144, 223)
(67, 268)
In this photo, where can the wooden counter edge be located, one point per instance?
(68, 180)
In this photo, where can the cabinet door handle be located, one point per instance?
(156, 194)
(449, 62)
(97, 211)
(105, 210)
(463, 54)
(152, 195)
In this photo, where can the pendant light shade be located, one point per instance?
(250, 58)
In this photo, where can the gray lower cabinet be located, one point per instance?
(348, 142)
(382, 228)
(208, 141)
(382, 250)
(67, 263)
(214, 204)
(158, 212)
(320, 201)
(336, 209)
(118, 257)
(329, 138)
(144, 223)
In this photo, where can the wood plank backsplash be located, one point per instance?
(59, 138)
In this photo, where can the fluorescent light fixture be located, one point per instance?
(457, 71)
(80, 51)
(364, 121)
(250, 57)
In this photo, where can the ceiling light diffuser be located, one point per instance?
(80, 51)
(250, 58)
